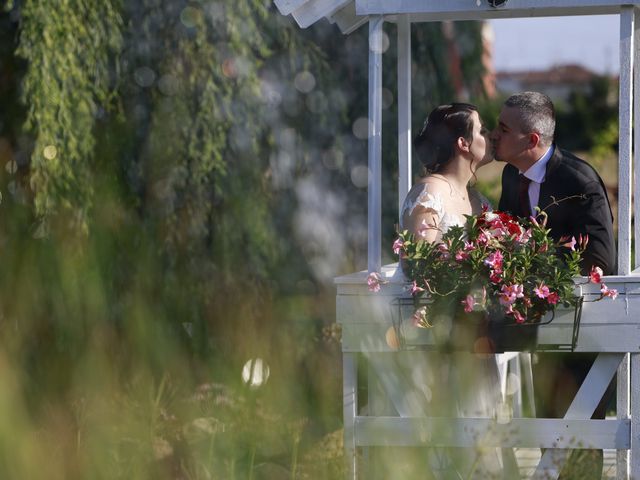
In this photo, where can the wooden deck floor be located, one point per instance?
(528, 460)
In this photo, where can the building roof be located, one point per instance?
(558, 75)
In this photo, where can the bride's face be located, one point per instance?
(481, 144)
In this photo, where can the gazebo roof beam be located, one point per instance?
(347, 20)
(436, 10)
(308, 12)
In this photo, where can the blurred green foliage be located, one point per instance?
(589, 120)
(178, 190)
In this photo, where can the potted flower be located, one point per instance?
(494, 280)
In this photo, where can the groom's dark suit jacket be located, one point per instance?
(568, 176)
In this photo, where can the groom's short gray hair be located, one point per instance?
(537, 114)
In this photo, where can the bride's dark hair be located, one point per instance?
(434, 145)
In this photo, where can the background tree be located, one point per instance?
(182, 181)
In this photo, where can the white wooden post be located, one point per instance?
(625, 149)
(622, 413)
(634, 461)
(375, 144)
(636, 134)
(404, 110)
(350, 410)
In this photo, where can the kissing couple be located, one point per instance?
(451, 146)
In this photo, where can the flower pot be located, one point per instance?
(481, 332)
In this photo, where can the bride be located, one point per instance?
(451, 146)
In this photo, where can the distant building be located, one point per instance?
(558, 82)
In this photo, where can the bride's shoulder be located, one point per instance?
(428, 186)
(427, 194)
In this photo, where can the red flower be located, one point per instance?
(595, 275)
(553, 298)
(514, 229)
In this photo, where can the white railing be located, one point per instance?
(394, 418)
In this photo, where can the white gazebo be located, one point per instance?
(612, 329)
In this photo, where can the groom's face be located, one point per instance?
(509, 142)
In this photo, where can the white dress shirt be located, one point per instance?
(536, 173)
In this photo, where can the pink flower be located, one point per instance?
(415, 288)
(468, 246)
(461, 256)
(518, 316)
(524, 236)
(608, 292)
(483, 238)
(397, 246)
(541, 291)
(569, 243)
(553, 298)
(494, 260)
(374, 280)
(468, 303)
(509, 294)
(595, 275)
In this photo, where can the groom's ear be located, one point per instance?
(534, 139)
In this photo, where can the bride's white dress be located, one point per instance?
(459, 384)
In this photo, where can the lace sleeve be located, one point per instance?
(432, 202)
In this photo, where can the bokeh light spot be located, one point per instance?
(333, 159)
(168, 85)
(392, 339)
(255, 373)
(229, 69)
(144, 76)
(360, 176)
(483, 346)
(374, 41)
(304, 82)
(360, 128)
(189, 17)
(50, 152)
(387, 98)
(11, 167)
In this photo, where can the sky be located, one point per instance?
(539, 43)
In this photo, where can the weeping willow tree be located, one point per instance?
(180, 178)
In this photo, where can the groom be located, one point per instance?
(540, 174)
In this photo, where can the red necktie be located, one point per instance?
(524, 207)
